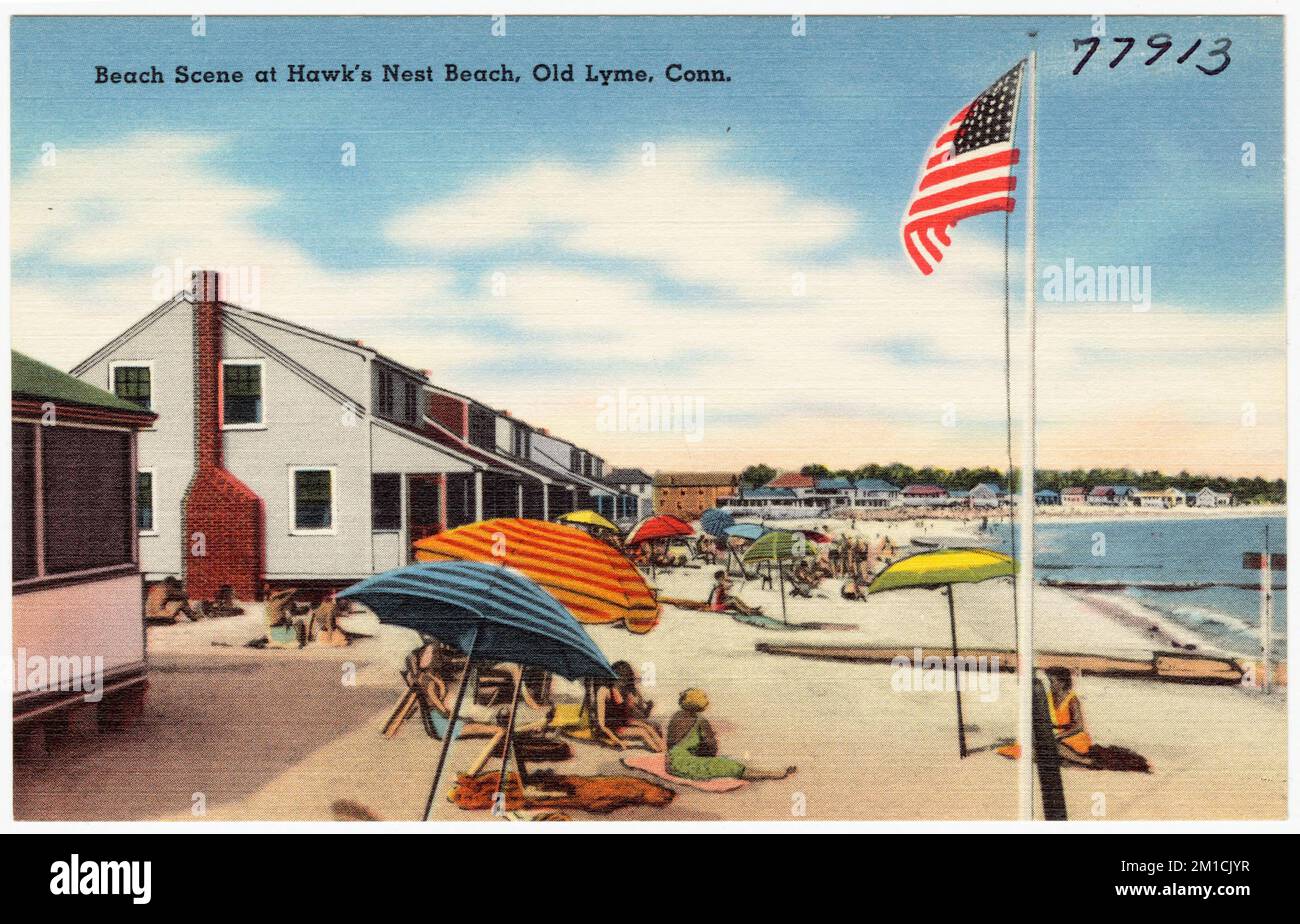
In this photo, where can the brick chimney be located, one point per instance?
(224, 536)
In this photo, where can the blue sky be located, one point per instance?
(1137, 165)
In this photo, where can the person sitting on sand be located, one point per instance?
(693, 746)
(166, 602)
(802, 579)
(1074, 743)
(621, 714)
(853, 589)
(721, 599)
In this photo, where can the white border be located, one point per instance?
(661, 7)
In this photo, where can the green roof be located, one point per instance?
(33, 379)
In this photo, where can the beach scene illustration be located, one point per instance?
(515, 419)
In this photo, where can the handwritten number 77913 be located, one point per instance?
(1160, 43)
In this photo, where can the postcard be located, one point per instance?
(648, 418)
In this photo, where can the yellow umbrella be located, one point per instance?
(943, 568)
(588, 518)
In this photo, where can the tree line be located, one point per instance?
(1244, 490)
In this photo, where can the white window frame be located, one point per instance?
(332, 529)
(153, 499)
(116, 364)
(221, 393)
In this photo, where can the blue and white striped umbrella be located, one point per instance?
(492, 611)
(715, 521)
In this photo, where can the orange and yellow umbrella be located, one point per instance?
(593, 581)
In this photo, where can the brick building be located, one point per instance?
(688, 494)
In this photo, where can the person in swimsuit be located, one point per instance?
(620, 714)
(693, 746)
(720, 597)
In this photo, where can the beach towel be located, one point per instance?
(547, 790)
(657, 765)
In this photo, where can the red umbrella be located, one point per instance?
(652, 529)
(812, 535)
(660, 526)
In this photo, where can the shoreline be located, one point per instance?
(1080, 514)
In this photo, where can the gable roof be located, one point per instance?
(1102, 490)
(924, 489)
(987, 488)
(791, 480)
(1075, 490)
(628, 476)
(833, 484)
(769, 492)
(875, 484)
(33, 379)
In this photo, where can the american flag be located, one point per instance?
(966, 172)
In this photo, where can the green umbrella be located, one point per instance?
(779, 545)
(943, 568)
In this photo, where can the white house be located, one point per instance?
(874, 492)
(1208, 497)
(638, 489)
(1165, 499)
(987, 495)
(286, 456)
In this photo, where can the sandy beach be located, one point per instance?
(282, 735)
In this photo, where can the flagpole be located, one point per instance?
(1025, 575)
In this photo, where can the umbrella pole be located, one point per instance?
(780, 576)
(451, 725)
(510, 740)
(956, 674)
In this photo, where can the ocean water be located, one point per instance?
(1178, 552)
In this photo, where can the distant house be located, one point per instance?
(1103, 495)
(688, 494)
(1047, 498)
(1164, 499)
(78, 504)
(1074, 496)
(1126, 495)
(833, 485)
(1208, 497)
(924, 495)
(638, 487)
(801, 485)
(987, 495)
(873, 492)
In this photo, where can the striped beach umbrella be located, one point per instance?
(594, 582)
(489, 613)
(943, 568)
(715, 521)
(777, 545)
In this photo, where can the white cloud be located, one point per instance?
(862, 366)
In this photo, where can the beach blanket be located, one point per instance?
(657, 765)
(547, 790)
